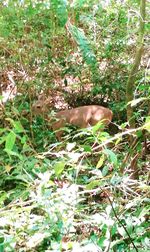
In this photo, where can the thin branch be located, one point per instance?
(124, 227)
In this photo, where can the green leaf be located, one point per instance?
(98, 126)
(112, 156)
(101, 241)
(113, 230)
(101, 161)
(115, 180)
(10, 141)
(16, 124)
(24, 139)
(105, 171)
(146, 242)
(1, 244)
(93, 184)
(147, 124)
(26, 148)
(18, 127)
(70, 146)
(13, 153)
(59, 167)
(87, 148)
(84, 45)
(60, 10)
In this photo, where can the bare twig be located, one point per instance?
(121, 222)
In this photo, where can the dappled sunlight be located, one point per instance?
(74, 126)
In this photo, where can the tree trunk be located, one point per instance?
(131, 84)
(134, 69)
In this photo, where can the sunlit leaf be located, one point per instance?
(8, 168)
(51, 183)
(74, 156)
(35, 240)
(18, 127)
(101, 161)
(59, 167)
(87, 148)
(146, 242)
(98, 126)
(147, 124)
(136, 101)
(16, 124)
(10, 141)
(93, 184)
(70, 146)
(23, 139)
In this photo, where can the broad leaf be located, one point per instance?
(112, 156)
(101, 161)
(10, 141)
(147, 124)
(59, 167)
(18, 127)
(84, 45)
(60, 10)
(93, 184)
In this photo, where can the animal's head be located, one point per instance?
(42, 106)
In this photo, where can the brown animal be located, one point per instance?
(82, 117)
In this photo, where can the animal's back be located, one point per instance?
(86, 115)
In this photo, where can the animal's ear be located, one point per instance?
(41, 97)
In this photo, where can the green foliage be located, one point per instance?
(59, 7)
(83, 44)
(43, 193)
(85, 48)
(71, 195)
(59, 167)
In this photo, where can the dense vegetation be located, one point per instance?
(89, 191)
